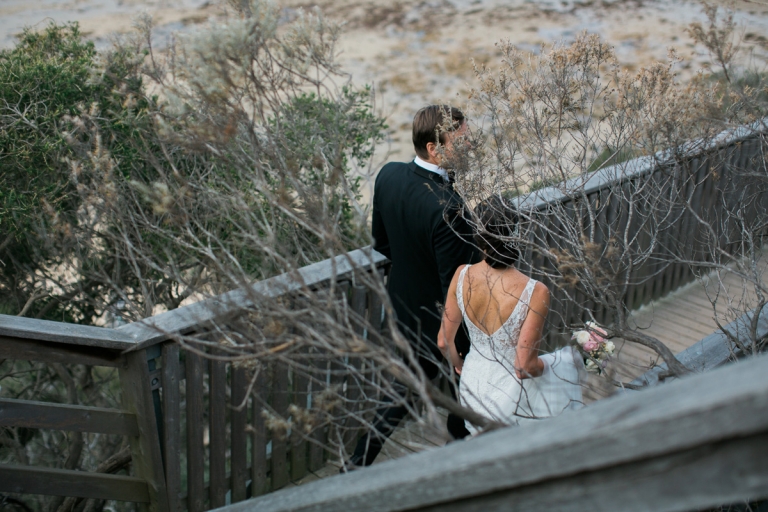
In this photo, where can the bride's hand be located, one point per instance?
(457, 369)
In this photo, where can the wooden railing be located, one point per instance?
(706, 176)
(193, 448)
(58, 343)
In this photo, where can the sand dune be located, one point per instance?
(415, 53)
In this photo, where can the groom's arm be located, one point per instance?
(379, 233)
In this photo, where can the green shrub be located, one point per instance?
(45, 78)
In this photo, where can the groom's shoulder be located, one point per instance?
(394, 167)
(393, 171)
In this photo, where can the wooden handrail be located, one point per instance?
(62, 332)
(632, 169)
(660, 449)
(159, 327)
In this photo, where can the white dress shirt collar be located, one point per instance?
(431, 167)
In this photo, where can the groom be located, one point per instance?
(418, 224)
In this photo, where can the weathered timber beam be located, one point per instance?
(62, 332)
(73, 418)
(78, 484)
(697, 442)
(710, 352)
(188, 318)
(56, 352)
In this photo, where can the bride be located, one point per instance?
(503, 377)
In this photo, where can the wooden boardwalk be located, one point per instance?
(680, 319)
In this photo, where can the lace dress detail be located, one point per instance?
(489, 384)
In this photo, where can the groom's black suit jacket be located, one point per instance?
(418, 224)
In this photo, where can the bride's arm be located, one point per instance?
(527, 362)
(450, 325)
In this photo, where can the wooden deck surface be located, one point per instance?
(680, 319)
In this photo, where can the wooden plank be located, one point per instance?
(239, 459)
(73, 418)
(147, 461)
(673, 335)
(195, 424)
(696, 298)
(62, 332)
(320, 434)
(597, 203)
(79, 484)
(218, 426)
(710, 352)
(188, 318)
(298, 443)
(358, 303)
(53, 352)
(259, 435)
(375, 320)
(692, 192)
(670, 304)
(337, 373)
(171, 380)
(667, 445)
(668, 330)
(279, 460)
(695, 320)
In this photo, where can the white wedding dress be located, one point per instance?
(489, 385)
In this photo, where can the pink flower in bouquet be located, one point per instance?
(591, 345)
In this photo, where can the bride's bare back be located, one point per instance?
(491, 295)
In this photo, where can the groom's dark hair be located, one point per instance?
(432, 123)
(497, 233)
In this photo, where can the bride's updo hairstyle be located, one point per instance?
(496, 233)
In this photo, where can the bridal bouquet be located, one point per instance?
(593, 346)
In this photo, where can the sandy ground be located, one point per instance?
(415, 53)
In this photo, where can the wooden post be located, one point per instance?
(320, 435)
(358, 303)
(239, 435)
(259, 439)
(218, 426)
(298, 444)
(145, 449)
(172, 419)
(195, 453)
(280, 475)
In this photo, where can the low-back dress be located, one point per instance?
(489, 384)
